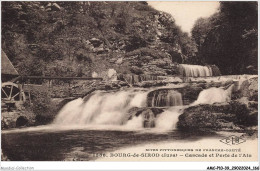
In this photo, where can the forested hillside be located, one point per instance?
(229, 38)
(78, 38)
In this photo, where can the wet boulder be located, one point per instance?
(249, 88)
(203, 117)
(233, 115)
(251, 105)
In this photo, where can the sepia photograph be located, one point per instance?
(129, 81)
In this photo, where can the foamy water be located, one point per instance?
(102, 108)
(108, 111)
(214, 95)
(169, 118)
(100, 123)
(195, 70)
(111, 109)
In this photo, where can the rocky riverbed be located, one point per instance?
(239, 113)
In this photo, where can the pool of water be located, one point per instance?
(67, 145)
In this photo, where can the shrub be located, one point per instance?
(42, 106)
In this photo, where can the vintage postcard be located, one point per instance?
(140, 81)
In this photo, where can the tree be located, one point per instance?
(229, 38)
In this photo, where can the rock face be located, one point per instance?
(248, 95)
(233, 115)
(148, 115)
(249, 88)
(150, 62)
(137, 39)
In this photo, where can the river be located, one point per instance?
(107, 121)
(47, 144)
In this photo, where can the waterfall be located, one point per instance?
(107, 108)
(169, 118)
(164, 98)
(134, 108)
(214, 95)
(135, 122)
(198, 70)
(112, 108)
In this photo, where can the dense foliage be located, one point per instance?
(229, 38)
(77, 38)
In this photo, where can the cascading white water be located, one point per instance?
(169, 118)
(214, 95)
(166, 98)
(101, 108)
(135, 122)
(111, 108)
(195, 70)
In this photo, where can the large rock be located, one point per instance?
(251, 105)
(233, 115)
(249, 88)
(107, 75)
